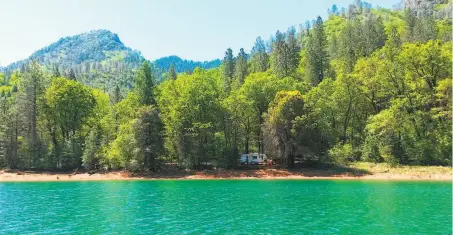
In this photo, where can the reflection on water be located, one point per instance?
(226, 206)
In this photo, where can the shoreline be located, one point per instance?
(261, 174)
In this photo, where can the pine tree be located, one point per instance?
(33, 88)
(350, 44)
(393, 43)
(172, 72)
(293, 50)
(116, 97)
(411, 20)
(373, 33)
(144, 84)
(228, 69)
(241, 68)
(148, 135)
(425, 27)
(285, 56)
(279, 60)
(259, 58)
(71, 75)
(55, 71)
(318, 59)
(334, 10)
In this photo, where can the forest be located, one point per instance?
(364, 84)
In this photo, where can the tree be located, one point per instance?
(240, 115)
(293, 50)
(351, 45)
(228, 69)
(144, 84)
(241, 68)
(285, 53)
(259, 61)
(335, 9)
(101, 131)
(71, 74)
(425, 28)
(33, 90)
(55, 71)
(9, 131)
(411, 20)
(148, 134)
(172, 72)
(373, 33)
(286, 106)
(121, 151)
(278, 57)
(192, 115)
(69, 105)
(259, 89)
(373, 86)
(429, 62)
(92, 145)
(116, 97)
(318, 63)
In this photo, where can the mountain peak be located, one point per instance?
(103, 33)
(90, 46)
(93, 46)
(104, 46)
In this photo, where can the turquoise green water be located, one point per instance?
(226, 207)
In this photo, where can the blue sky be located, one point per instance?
(191, 29)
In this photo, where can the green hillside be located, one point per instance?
(364, 84)
(99, 59)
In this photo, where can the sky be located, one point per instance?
(192, 29)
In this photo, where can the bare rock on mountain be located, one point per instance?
(439, 8)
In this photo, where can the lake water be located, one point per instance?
(226, 207)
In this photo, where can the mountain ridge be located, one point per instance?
(102, 46)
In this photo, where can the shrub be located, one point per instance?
(370, 150)
(341, 153)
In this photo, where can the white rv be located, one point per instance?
(253, 158)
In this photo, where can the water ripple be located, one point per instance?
(226, 207)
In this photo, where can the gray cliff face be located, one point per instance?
(420, 4)
(439, 8)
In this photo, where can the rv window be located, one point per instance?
(254, 157)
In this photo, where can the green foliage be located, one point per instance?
(286, 106)
(121, 151)
(100, 131)
(71, 103)
(318, 64)
(366, 84)
(240, 69)
(259, 58)
(341, 153)
(259, 91)
(69, 106)
(172, 72)
(285, 53)
(163, 64)
(148, 136)
(99, 59)
(228, 66)
(144, 84)
(192, 113)
(444, 30)
(94, 46)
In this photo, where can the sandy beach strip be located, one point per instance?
(268, 174)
